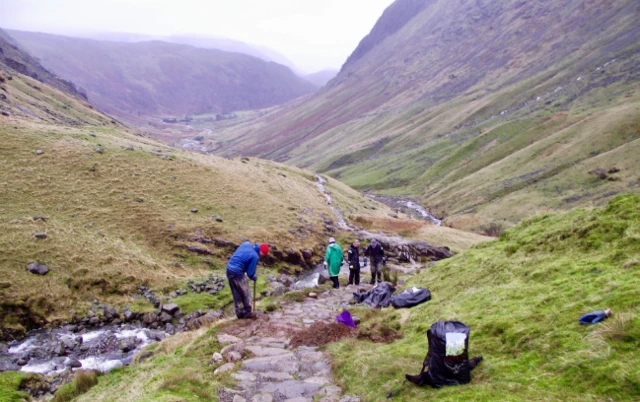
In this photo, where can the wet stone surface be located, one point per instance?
(54, 351)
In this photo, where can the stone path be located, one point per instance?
(275, 372)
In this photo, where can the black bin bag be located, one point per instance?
(378, 297)
(411, 297)
(448, 356)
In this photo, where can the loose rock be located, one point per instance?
(171, 308)
(37, 268)
(224, 368)
(216, 358)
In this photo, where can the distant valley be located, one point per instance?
(159, 78)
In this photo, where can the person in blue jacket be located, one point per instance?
(244, 261)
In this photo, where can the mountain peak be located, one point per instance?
(393, 19)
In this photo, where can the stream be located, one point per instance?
(400, 203)
(53, 351)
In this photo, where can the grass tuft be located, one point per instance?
(82, 382)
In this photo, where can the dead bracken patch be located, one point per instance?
(379, 333)
(320, 333)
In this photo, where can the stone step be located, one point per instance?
(286, 362)
(261, 351)
(291, 389)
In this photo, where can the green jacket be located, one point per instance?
(333, 258)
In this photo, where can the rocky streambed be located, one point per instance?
(54, 351)
(103, 339)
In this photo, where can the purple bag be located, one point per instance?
(345, 318)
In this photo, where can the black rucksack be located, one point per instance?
(447, 361)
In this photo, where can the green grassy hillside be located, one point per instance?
(521, 295)
(487, 112)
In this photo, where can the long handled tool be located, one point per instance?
(254, 296)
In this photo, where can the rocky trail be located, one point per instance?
(275, 371)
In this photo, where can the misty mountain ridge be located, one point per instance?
(201, 41)
(159, 78)
(13, 57)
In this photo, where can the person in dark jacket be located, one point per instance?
(353, 259)
(244, 261)
(376, 253)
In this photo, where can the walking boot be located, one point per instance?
(250, 316)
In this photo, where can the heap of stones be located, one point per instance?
(212, 285)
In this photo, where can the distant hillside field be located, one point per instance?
(487, 111)
(159, 78)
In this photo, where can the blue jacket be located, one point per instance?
(593, 318)
(245, 260)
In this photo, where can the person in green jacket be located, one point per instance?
(333, 260)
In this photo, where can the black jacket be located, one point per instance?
(353, 257)
(376, 253)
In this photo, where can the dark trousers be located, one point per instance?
(239, 285)
(336, 283)
(354, 276)
(375, 271)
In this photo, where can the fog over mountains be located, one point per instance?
(160, 78)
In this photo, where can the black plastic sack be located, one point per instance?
(448, 355)
(378, 297)
(411, 297)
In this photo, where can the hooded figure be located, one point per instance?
(333, 260)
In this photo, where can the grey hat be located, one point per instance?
(331, 240)
(374, 241)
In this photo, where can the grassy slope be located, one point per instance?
(522, 295)
(421, 113)
(121, 218)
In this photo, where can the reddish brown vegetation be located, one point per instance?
(320, 333)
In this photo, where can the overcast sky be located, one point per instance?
(313, 34)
